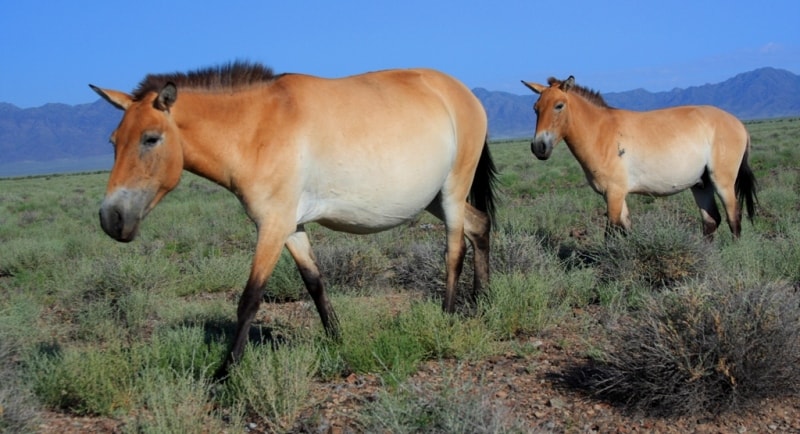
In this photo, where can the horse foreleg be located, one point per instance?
(300, 248)
(477, 229)
(704, 198)
(617, 213)
(268, 250)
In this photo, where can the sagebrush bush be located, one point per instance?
(767, 258)
(442, 335)
(18, 406)
(659, 252)
(419, 266)
(517, 304)
(119, 298)
(371, 339)
(455, 406)
(23, 257)
(515, 251)
(391, 340)
(176, 402)
(349, 266)
(273, 383)
(706, 347)
(85, 381)
(214, 273)
(184, 350)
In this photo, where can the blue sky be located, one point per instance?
(51, 50)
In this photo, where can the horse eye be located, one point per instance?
(150, 140)
(559, 106)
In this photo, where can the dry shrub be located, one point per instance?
(18, 407)
(702, 348)
(420, 266)
(352, 266)
(659, 252)
(456, 406)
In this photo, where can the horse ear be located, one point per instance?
(166, 97)
(536, 88)
(568, 83)
(120, 100)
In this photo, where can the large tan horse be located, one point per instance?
(360, 154)
(659, 152)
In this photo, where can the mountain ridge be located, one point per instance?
(57, 131)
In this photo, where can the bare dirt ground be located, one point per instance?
(519, 382)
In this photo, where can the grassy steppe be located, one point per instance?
(134, 331)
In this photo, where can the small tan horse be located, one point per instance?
(659, 152)
(360, 154)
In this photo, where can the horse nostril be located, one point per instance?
(540, 148)
(118, 222)
(537, 147)
(112, 221)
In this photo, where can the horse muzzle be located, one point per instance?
(122, 211)
(542, 145)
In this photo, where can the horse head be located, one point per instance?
(551, 115)
(148, 159)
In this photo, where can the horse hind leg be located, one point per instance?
(300, 249)
(724, 184)
(454, 259)
(477, 228)
(704, 198)
(453, 216)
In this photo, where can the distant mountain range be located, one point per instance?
(75, 138)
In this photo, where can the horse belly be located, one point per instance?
(373, 214)
(372, 202)
(662, 178)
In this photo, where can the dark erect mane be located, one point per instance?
(228, 76)
(590, 95)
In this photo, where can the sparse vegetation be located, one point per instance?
(133, 332)
(710, 346)
(456, 406)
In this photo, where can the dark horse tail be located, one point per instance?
(481, 194)
(745, 185)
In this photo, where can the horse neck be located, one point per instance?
(587, 121)
(212, 130)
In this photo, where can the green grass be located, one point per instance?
(455, 406)
(134, 331)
